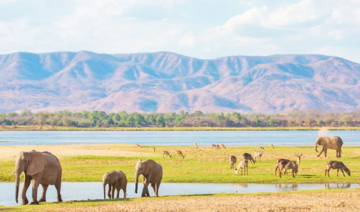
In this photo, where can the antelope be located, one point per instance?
(232, 161)
(154, 149)
(195, 145)
(248, 156)
(178, 152)
(259, 153)
(278, 161)
(137, 145)
(223, 146)
(271, 146)
(166, 153)
(293, 165)
(338, 165)
(217, 147)
(243, 166)
(213, 146)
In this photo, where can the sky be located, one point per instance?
(197, 28)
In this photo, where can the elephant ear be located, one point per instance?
(37, 164)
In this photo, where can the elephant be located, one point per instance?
(116, 180)
(43, 168)
(329, 143)
(152, 174)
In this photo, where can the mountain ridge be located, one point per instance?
(168, 82)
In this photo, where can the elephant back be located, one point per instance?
(337, 140)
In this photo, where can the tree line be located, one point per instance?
(85, 119)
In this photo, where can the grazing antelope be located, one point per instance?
(271, 146)
(293, 165)
(259, 153)
(278, 161)
(232, 161)
(336, 165)
(178, 152)
(166, 153)
(137, 145)
(243, 166)
(195, 145)
(213, 146)
(248, 156)
(218, 147)
(223, 146)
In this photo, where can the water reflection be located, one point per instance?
(338, 185)
(286, 185)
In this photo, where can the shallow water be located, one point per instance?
(169, 138)
(93, 190)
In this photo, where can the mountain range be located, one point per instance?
(169, 82)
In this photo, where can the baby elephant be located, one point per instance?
(116, 180)
(232, 161)
(336, 165)
(243, 166)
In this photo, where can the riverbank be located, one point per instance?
(49, 128)
(87, 163)
(325, 200)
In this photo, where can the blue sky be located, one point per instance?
(198, 28)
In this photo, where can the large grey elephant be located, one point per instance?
(43, 168)
(152, 174)
(116, 180)
(329, 143)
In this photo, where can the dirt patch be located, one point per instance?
(337, 201)
(9, 152)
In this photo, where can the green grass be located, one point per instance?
(210, 166)
(49, 128)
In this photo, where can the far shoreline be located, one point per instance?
(49, 128)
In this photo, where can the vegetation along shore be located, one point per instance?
(182, 121)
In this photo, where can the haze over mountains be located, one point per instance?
(168, 82)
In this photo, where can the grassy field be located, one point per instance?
(49, 128)
(207, 165)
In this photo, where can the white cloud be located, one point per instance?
(187, 41)
(253, 16)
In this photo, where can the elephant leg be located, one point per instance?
(154, 188)
(124, 190)
(35, 187)
(118, 193)
(58, 189)
(24, 189)
(109, 191)
(112, 191)
(43, 195)
(342, 172)
(325, 152)
(157, 186)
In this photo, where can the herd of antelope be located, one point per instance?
(281, 166)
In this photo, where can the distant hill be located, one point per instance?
(165, 82)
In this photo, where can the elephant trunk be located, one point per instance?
(136, 182)
(104, 186)
(316, 148)
(18, 170)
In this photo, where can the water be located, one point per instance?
(93, 190)
(170, 138)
